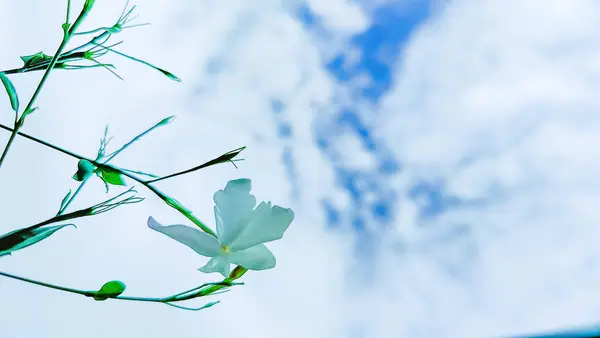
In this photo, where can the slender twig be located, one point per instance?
(59, 61)
(46, 285)
(67, 33)
(68, 12)
(89, 211)
(90, 293)
(44, 143)
(227, 157)
(169, 200)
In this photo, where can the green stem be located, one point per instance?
(72, 197)
(15, 70)
(60, 218)
(44, 143)
(174, 204)
(21, 121)
(68, 12)
(162, 122)
(89, 293)
(170, 201)
(75, 214)
(46, 285)
(187, 293)
(92, 42)
(227, 157)
(43, 65)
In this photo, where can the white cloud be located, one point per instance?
(342, 15)
(498, 99)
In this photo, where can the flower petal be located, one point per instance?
(267, 223)
(233, 207)
(256, 258)
(199, 241)
(220, 264)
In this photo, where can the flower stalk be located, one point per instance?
(241, 229)
(67, 34)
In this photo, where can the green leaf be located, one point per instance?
(205, 306)
(25, 114)
(35, 59)
(11, 91)
(28, 111)
(112, 176)
(84, 169)
(64, 200)
(22, 238)
(110, 289)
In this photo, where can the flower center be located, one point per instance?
(225, 248)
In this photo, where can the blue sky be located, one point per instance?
(380, 48)
(439, 160)
(377, 45)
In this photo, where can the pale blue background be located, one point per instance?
(441, 157)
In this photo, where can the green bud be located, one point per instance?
(85, 168)
(166, 121)
(238, 272)
(110, 289)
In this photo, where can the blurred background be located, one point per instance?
(441, 158)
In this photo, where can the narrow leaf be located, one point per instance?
(11, 91)
(26, 113)
(205, 306)
(64, 200)
(22, 238)
(110, 289)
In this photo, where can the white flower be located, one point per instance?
(241, 230)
